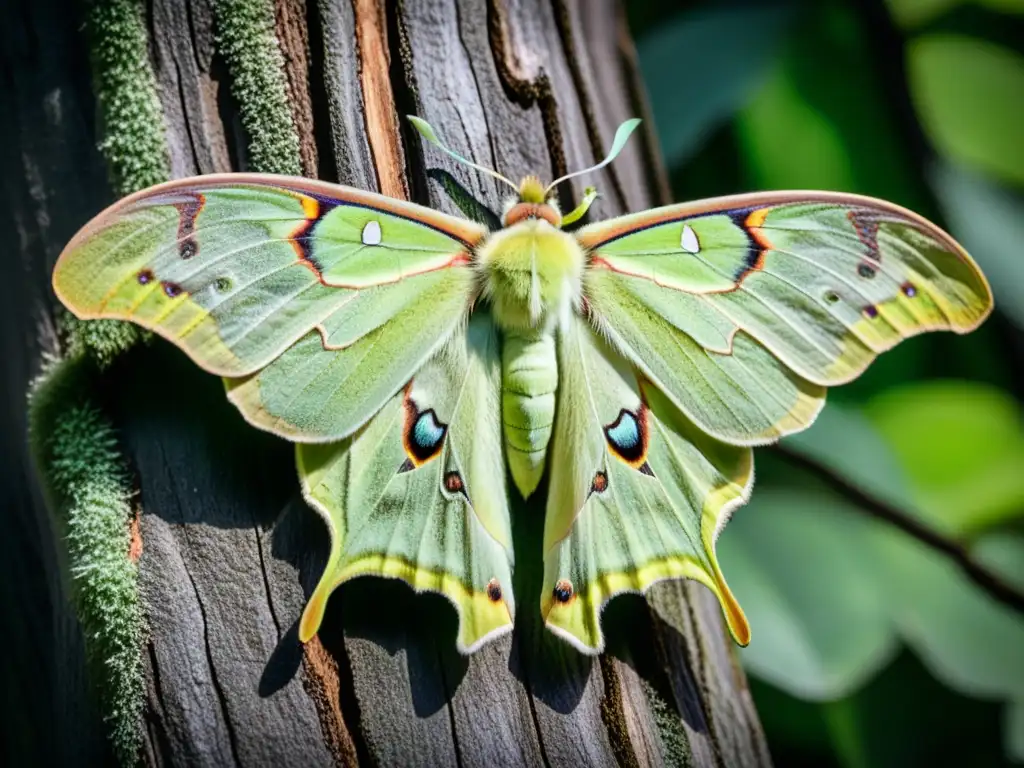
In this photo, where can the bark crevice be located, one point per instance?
(565, 32)
(527, 92)
(217, 687)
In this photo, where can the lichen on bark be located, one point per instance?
(134, 142)
(246, 39)
(83, 473)
(88, 486)
(132, 124)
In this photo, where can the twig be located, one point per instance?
(997, 587)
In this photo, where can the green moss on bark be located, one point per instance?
(671, 731)
(73, 443)
(100, 340)
(134, 143)
(89, 474)
(87, 485)
(246, 39)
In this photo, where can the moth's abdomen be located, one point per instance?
(529, 378)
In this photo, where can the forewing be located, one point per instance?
(246, 271)
(742, 309)
(317, 392)
(419, 493)
(638, 493)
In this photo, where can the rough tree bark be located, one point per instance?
(229, 550)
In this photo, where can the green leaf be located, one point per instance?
(968, 640)
(968, 94)
(844, 440)
(918, 13)
(988, 220)
(791, 144)
(820, 121)
(962, 448)
(725, 53)
(796, 562)
(830, 591)
(1003, 6)
(1015, 731)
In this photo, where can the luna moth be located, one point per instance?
(414, 356)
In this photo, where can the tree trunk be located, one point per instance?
(229, 549)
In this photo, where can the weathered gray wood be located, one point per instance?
(641, 731)
(568, 695)
(292, 30)
(487, 700)
(229, 551)
(589, 38)
(396, 681)
(352, 161)
(223, 656)
(190, 92)
(708, 685)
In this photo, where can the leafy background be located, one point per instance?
(870, 647)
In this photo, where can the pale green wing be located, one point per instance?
(332, 289)
(742, 309)
(638, 492)
(419, 493)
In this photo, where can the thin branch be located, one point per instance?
(989, 581)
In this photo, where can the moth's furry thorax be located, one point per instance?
(532, 273)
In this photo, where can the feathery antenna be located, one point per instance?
(621, 137)
(427, 132)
